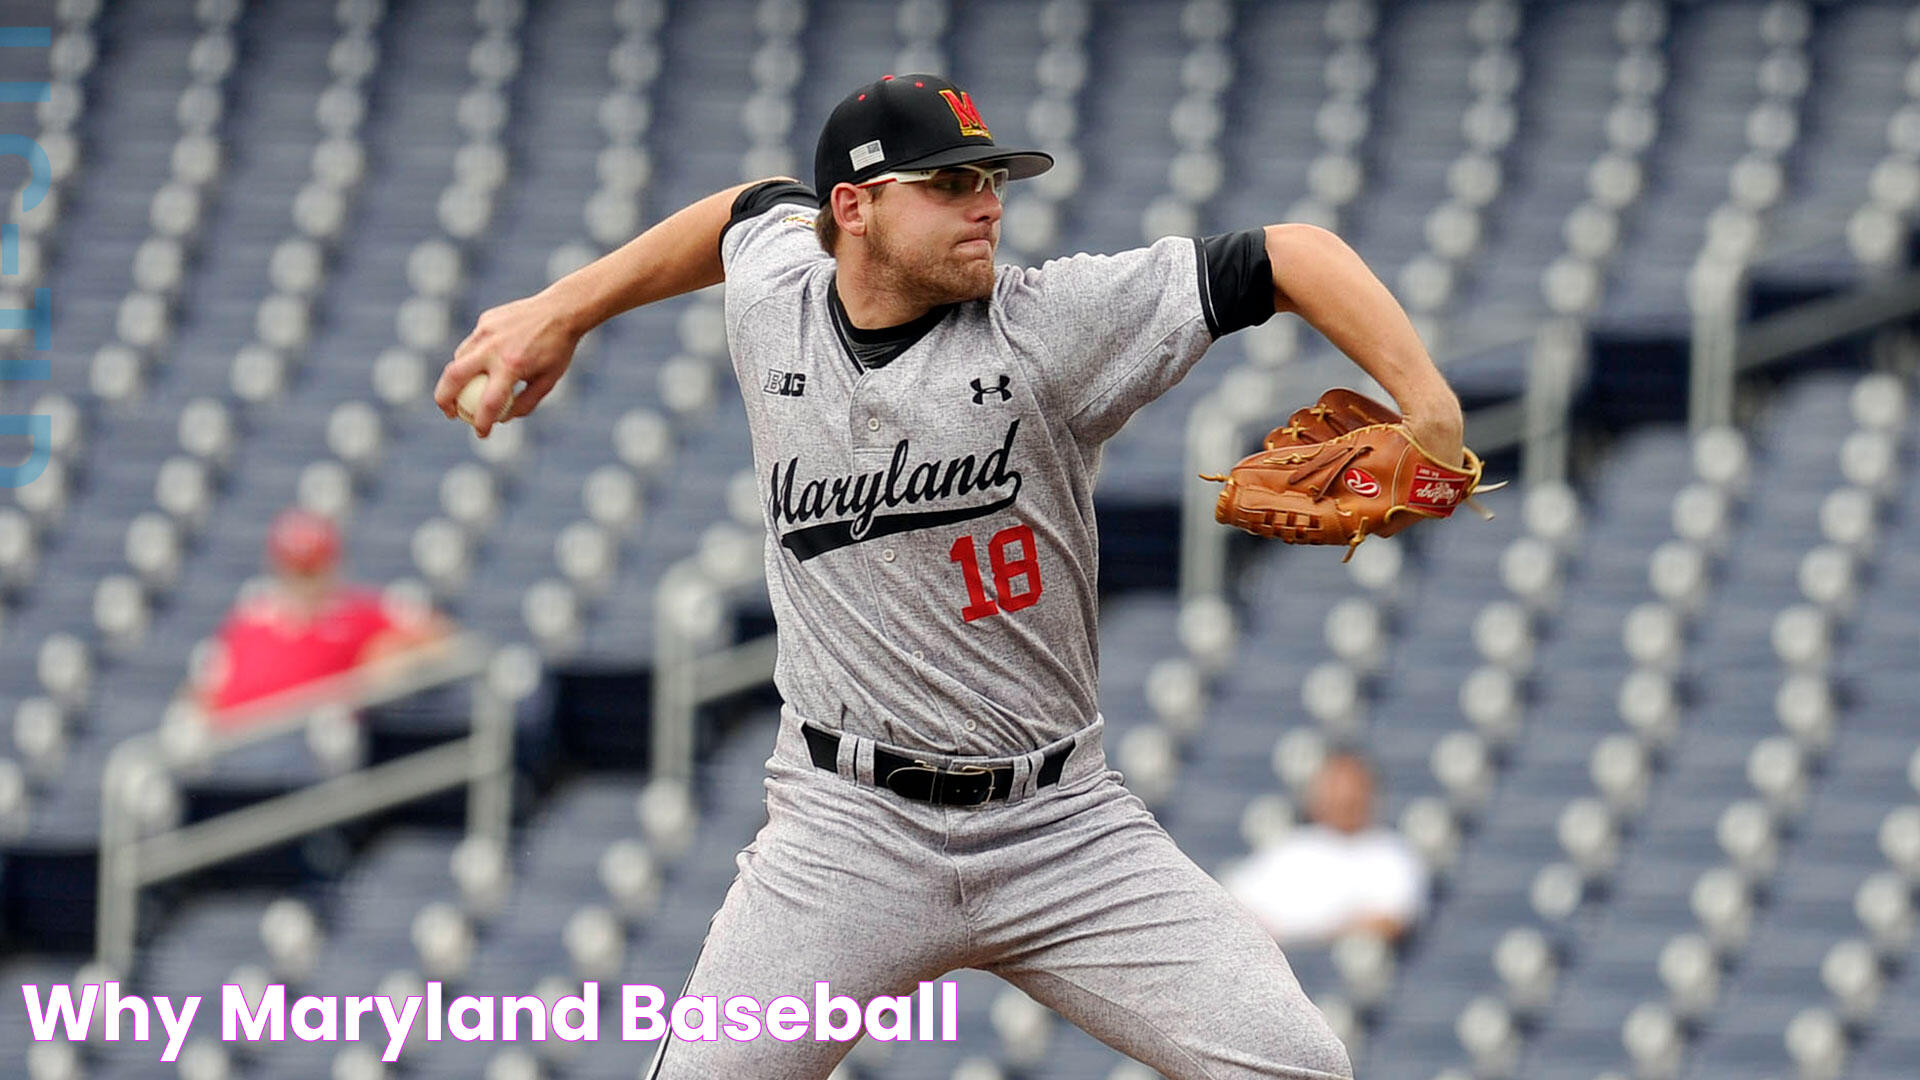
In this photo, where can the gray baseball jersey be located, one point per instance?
(932, 560)
(931, 549)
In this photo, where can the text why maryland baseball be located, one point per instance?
(644, 1016)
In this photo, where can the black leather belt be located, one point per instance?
(961, 785)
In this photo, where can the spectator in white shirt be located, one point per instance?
(1339, 875)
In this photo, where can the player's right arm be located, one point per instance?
(533, 338)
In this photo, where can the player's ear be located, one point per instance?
(849, 209)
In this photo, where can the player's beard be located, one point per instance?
(928, 276)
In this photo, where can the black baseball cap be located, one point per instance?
(909, 122)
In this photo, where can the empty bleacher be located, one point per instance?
(1651, 727)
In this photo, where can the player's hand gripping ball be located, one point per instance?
(468, 403)
(1341, 470)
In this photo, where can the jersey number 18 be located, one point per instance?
(1006, 571)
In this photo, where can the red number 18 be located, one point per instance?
(1006, 570)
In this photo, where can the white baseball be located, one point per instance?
(468, 403)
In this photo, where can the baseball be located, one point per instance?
(468, 403)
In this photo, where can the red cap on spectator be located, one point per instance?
(303, 542)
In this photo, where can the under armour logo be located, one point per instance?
(981, 390)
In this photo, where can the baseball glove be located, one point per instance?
(1341, 470)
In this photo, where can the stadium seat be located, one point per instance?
(1528, 969)
(441, 553)
(1356, 634)
(259, 375)
(1590, 837)
(1700, 516)
(1622, 772)
(611, 497)
(1777, 769)
(1176, 692)
(1503, 635)
(40, 735)
(631, 878)
(1679, 573)
(1884, 906)
(1899, 839)
(1879, 403)
(551, 611)
(120, 612)
(206, 432)
(1024, 1027)
(1653, 636)
(1848, 519)
(1464, 767)
(1488, 1033)
(587, 555)
(1297, 756)
(1209, 632)
(1149, 756)
(1690, 969)
(425, 323)
(159, 266)
(667, 817)
(1333, 695)
(1747, 834)
(444, 941)
(400, 378)
(470, 497)
(1817, 1040)
(320, 212)
(595, 941)
(356, 436)
(1492, 701)
(64, 665)
(353, 57)
(1430, 826)
(1266, 819)
(291, 933)
(326, 488)
(117, 374)
(1654, 1041)
(1723, 902)
(1852, 975)
(19, 549)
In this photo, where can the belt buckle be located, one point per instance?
(976, 770)
(936, 772)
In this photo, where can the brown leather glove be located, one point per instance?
(1341, 470)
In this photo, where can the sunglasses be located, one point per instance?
(952, 182)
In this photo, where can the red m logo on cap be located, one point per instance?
(961, 103)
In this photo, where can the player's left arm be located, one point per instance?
(1324, 281)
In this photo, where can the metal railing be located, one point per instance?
(132, 859)
(1726, 345)
(689, 668)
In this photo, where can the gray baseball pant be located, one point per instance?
(1073, 893)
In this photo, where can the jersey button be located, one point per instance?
(918, 655)
(887, 555)
(873, 423)
(970, 725)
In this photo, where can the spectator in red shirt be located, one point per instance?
(306, 624)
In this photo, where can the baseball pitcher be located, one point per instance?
(927, 428)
